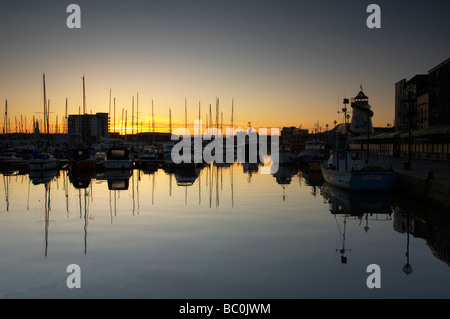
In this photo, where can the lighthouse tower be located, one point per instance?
(361, 123)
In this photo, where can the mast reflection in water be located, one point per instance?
(215, 231)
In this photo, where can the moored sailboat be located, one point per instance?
(82, 159)
(149, 158)
(43, 160)
(118, 157)
(11, 159)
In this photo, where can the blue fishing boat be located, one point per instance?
(348, 169)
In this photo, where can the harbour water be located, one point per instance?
(217, 232)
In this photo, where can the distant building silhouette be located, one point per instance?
(424, 99)
(439, 103)
(88, 128)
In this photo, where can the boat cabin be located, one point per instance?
(81, 154)
(315, 145)
(118, 153)
(347, 160)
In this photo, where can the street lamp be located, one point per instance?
(410, 92)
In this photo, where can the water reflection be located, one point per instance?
(284, 176)
(82, 183)
(358, 203)
(43, 177)
(358, 206)
(186, 176)
(426, 222)
(47, 209)
(81, 179)
(194, 204)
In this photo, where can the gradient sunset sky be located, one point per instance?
(285, 63)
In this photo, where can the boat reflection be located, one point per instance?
(39, 177)
(357, 206)
(116, 179)
(284, 175)
(357, 203)
(47, 210)
(186, 176)
(149, 169)
(250, 169)
(81, 179)
(218, 183)
(312, 177)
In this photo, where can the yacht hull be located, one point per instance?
(364, 180)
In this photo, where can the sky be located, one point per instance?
(283, 63)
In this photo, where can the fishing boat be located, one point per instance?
(118, 157)
(348, 169)
(82, 159)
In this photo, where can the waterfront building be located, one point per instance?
(407, 108)
(88, 128)
(439, 83)
(401, 120)
(295, 137)
(423, 110)
(424, 99)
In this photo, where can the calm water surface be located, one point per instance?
(218, 232)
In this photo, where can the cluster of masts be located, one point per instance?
(122, 128)
(22, 127)
(116, 125)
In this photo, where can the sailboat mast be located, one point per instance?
(84, 97)
(153, 119)
(48, 118)
(232, 113)
(109, 113)
(217, 114)
(137, 113)
(45, 103)
(170, 120)
(5, 121)
(199, 117)
(132, 118)
(121, 128)
(210, 117)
